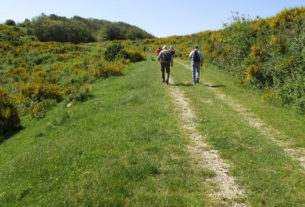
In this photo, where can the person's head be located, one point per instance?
(196, 47)
(159, 48)
(164, 47)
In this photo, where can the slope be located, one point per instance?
(225, 112)
(123, 147)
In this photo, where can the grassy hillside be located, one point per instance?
(268, 174)
(90, 125)
(123, 147)
(35, 75)
(126, 146)
(265, 53)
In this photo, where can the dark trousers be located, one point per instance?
(165, 66)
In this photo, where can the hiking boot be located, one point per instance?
(167, 81)
(163, 80)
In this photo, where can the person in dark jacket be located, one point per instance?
(166, 60)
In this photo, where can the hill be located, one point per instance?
(131, 145)
(35, 75)
(267, 54)
(78, 29)
(97, 130)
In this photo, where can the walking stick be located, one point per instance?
(199, 78)
(201, 64)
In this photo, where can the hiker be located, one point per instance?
(158, 50)
(166, 60)
(172, 51)
(197, 60)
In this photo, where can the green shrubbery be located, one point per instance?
(40, 74)
(40, 91)
(79, 93)
(117, 51)
(114, 52)
(266, 53)
(9, 118)
(135, 55)
(78, 29)
(10, 22)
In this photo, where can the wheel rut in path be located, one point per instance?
(255, 122)
(229, 192)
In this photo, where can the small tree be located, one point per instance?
(10, 22)
(115, 51)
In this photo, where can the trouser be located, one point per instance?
(196, 72)
(165, 66)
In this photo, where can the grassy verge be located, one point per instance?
(123, 147)
(265, 172)
(282, 119)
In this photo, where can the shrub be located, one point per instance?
(106, 69)
(136, 55)
(39, 109)
(9, 117)
(78, 93)
(40, 91)
(10, 22)
(115, 51)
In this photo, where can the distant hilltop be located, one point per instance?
(78, 29)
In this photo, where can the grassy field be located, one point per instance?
(125, 146)
(268, 175)
(122, 147)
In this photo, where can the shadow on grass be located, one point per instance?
(9, 134)
(215, 86)
(180, 84)
(190, 84)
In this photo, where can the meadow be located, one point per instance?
(36, 75)
(92, 124)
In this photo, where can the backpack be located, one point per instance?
(196, 57)
(166, 56)
(172, 51)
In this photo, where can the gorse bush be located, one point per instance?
(79, 93)
(266, 53)
(40, 74)
(114, 52)
(40, 91)
(117, 51)
(106, 68)
(9, 117)
(135, 55)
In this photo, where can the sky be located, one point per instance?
(161, 18)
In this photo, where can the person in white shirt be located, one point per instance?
(197, 59)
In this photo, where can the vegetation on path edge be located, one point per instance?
(268, 175)
(122, 147)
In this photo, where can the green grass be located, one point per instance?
(264, 171)
(285, 120)
(126, 147)
(123, 147)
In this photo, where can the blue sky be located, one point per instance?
(160, 17)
